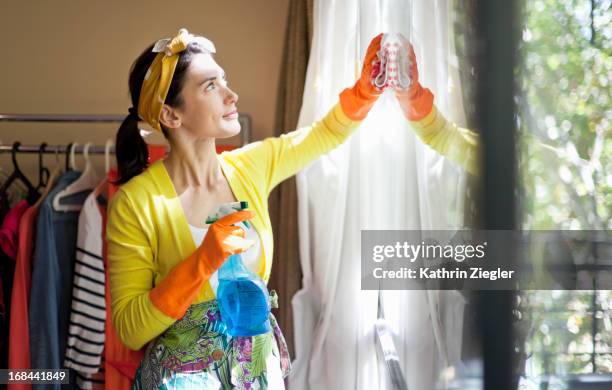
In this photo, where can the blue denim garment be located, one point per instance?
(53, 266)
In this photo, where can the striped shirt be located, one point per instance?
(88, 309)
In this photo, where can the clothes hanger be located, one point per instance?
(68, 150)
(57, 170)
(107, 162)
(20, 187)
(43, 172)
(18, 176)
(89, 179)
(103, 196)
(72, 156)
(3, 175)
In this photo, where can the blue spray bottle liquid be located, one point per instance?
(243, 298)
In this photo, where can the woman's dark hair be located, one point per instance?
(130, 148)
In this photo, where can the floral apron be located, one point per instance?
(196, 353)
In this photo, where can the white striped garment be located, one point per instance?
(90, 381)
(88, 309)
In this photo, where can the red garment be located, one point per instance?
(155, 153)
(10, 229)
(19, 331)
(9, 242)
(98, 378)
(224, 148)
(121, 362)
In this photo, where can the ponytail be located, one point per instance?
(130, 149)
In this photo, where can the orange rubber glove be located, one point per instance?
(357, 101)
(416, 102)
(173, 295)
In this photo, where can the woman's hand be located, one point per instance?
(357, 101)
(177, 291)
(416, 102)
(224, 239)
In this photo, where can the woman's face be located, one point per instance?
(209, 106)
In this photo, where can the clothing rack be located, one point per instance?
(55, 149)
(60, 118)
(244, 119)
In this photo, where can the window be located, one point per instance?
(565, 175)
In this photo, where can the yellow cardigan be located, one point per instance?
(459, 145)
(148, 234)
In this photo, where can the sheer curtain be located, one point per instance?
(382, 178)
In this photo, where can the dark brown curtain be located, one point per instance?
(286, 277)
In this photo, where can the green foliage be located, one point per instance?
(564, 115)
(560, 332)
(565, 170)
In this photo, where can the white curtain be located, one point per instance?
(382, 178)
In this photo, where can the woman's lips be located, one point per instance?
(231, 115)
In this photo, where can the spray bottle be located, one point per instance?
(243, 298)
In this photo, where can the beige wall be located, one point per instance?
(73, 57)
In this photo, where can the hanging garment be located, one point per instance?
(19, 337)
(88, 309)
(8, 252)
(121, 362)
(52, 275)
(91, 381)
(14, 194)
(9, 233)
(7, 269)
(4, 207)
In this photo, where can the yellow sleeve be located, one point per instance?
(455, 143)
(131, 275)
(275, 159)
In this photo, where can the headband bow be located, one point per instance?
(159, 76)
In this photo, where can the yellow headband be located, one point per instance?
(159, 76)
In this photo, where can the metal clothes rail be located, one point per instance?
(244, 119)
(55, 149)
(61, 118)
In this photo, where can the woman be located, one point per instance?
(162, 256)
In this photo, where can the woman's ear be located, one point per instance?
(169, 117)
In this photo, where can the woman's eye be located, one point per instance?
(210, 87)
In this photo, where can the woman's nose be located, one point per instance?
(232, 97)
